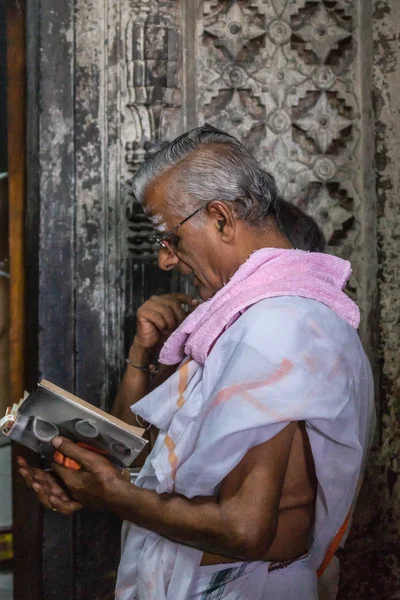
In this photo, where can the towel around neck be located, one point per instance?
(267, 273)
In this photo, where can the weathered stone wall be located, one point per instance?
(386, 94)
(371, 560)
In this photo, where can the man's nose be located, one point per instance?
(167, 259)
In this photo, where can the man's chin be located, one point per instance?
(203, 291)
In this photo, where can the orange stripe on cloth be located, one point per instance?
(183, 381)
(330, 553)
(172, 457)
(239, 388)
(258, 405)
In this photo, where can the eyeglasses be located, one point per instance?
(170, 239)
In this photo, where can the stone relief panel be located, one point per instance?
(150, 105)
(151, 99)
(282, 76)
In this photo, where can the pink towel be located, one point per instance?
(267, 273)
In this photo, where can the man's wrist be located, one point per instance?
(118, 494)
(140, 355)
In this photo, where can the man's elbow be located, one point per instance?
(252, 544)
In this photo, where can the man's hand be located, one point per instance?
(89, 486)
(159, 316)
(48, 490)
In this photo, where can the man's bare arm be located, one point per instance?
(241, 522)
(134, 386)
(296, 510)
(156, 319)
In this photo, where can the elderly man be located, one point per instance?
(263, 424)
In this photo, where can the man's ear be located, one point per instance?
(225, 222)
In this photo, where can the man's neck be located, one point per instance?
(251, 239)
(256, 238)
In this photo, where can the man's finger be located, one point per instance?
(176, 307)
(169, 317)
(26, 474)
(86, 458)
(48, 490)
(42, 495)
(64, 507)
(48, 481)
(184, 298)
(154, 318)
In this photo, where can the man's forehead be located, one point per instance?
(155, 199)
(155, 195)
(154, 206)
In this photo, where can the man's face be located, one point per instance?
(198, 249)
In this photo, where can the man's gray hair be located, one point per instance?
(211, 165)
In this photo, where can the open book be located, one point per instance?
(51, 411)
